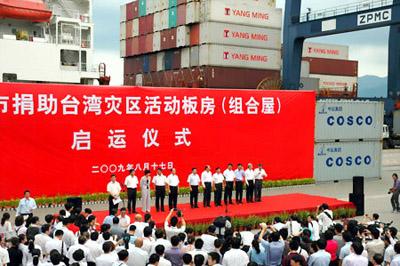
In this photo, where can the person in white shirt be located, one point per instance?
(131, 183)
(198, 250)
(170, 225)
(154, 260)
(160, 240)
(123, 257)
(249, 179)
(26, 205)
(160, 181)
(124, 219)
(173, 185)
(313, 226)
(148, 240)
(93, 246)
(81, 245)
(259, 174)
(247, 236)
(109, 256)
(325, 217)
(229, 176)
(4, 257)
(213, 259)
(44, 237)
(193, 181)
(6, 227)
(140, 225)
(160, 249)
(396, 259)
(355, 258)
(56, 243)
(235, 256)
(137, 256)
(69, 237)
(209, 239)
(218, 180)
(113, 188)
(207, 183)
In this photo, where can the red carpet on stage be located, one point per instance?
(270, 205)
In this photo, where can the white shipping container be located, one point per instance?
(328, 51)
(348, 120)
(343, 160)
(235, 56)
(160, 61)
(194, 56)
(305, 69)
(135, 27)
(122, 49)
(122, 31)
(309, 84)
(150, 6)
(164, 4)
(156, 41)
(340, 83)
(139, 80)
(122, 13)
(182, 36)
(250, 13)
(164, 20)
(185, 57)
(192, 12)
(239, 35)
(157, 22)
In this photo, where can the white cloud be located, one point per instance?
(373, 60)
(115, 66)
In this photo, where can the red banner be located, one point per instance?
(64, 139)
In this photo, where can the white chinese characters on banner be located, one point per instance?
(81, 141)
(117, 139)
(113, 105)
(189, 105)
(150, 138)
(47, 104)
(23, 104)
(4, 104)
(70, 105)
(268, 105)
(132, 106)
(153, 105)
(252, 106)
(123, 167)
(181, 137)
(207, 106)
(172, 105)
(236, 105)
(92, 104)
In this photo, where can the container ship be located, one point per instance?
(47, 41)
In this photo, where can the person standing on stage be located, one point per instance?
(145, 190)
(173, 183)
(218, 180)
(229, 175)
(113, 188)
(193, 181)
(160, 181)
(249, 178)
(207, 182)
(131, 183)
(26, 205)
(259, 174)
(239, 178)
(395, 190)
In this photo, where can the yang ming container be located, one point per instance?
(345, 120)
(320, 50)
(343, 160)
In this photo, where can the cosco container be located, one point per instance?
(339, 83)
(239, 35)
(343, 160)
(235, 56)
(335, 67)
(347, 120)
(320, 50)
(252, 13)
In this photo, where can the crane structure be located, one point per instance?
(347, 18)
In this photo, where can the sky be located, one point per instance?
(368, 47)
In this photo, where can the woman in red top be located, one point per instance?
(331, 247)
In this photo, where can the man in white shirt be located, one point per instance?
(170, 225)
(209, 239)
(193, 181)
(26, 205)
(44, 237)
(148, 240)
(198, 250)
(259, 174)
(239, 179)
(160, 240)
(160, 249)
(4, 257)
(81, 245)
(396, 259)
(160, 181)
(69, 237)
(109, 256)
(123, 257)
(131, 183)
(218, 180)
(173, 184)
(140, 225)
(235, 256)
(124, 219)
(137, 256)
(229, 176)
(113, 188)
(93, 246)
(56, 243)
(249, 179)
(207, 183)
(355, 258)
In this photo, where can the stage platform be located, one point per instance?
(270, 205)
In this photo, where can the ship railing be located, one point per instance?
(70, 13)
(344, 9)
(88, 68)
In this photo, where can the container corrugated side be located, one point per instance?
(122, 13)
(122, 48)
(347, 120)
(185, 57)
(305, 69)
(235, 56)
(192, 12)
(183, 36)
(336, 82)
(309, 84)
(239, 35)
(122, 31)
(396, 122)
(336, 67)
(343, 160)
(250, 13)
(321, 50)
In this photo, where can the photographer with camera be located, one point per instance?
(171, 224)
(395, 190)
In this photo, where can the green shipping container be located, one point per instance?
(142, 8)
(173, 3)
(173, 18)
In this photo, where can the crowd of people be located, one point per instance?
(75, 237)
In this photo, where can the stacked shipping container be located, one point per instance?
(330, 64)
(202, 43)
(348, 139)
